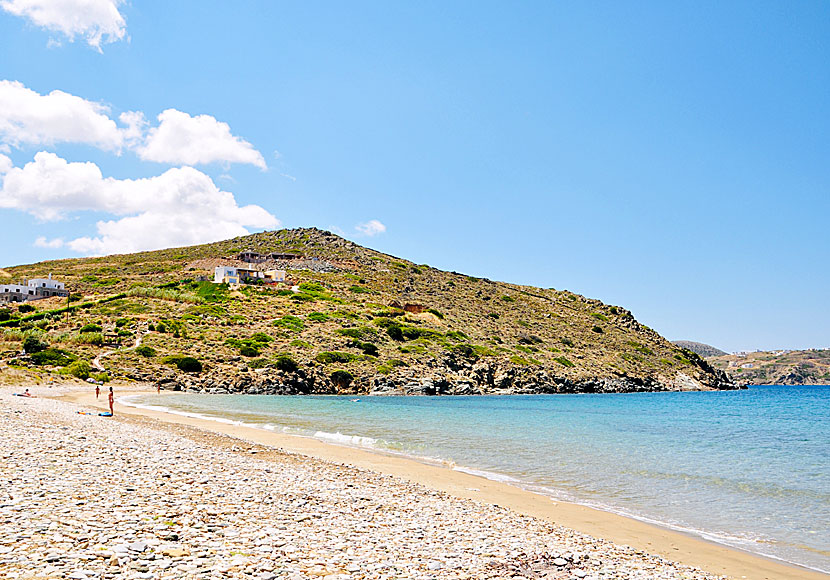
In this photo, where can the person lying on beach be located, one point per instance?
(26, 393)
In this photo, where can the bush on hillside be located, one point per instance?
(34, 343)
(54, 357)
(146, 351)
(23, 308)
(186, 364)
(79, 369)
(334, 357)
(287, 364)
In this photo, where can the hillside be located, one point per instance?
(791, 367)
(699, 348)
(356, 321)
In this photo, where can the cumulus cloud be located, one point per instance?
(180, 138)
(42, 242)
(5, 164)
(371, 228)
(182, 206)
(97, 21)
(29, 118)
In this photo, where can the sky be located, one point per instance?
(669, 157)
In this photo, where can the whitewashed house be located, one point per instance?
(33, 289)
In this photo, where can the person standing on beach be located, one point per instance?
(111, 399)
(97, 391)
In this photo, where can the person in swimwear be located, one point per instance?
(97, 391)
(111, 399)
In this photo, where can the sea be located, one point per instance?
(749, 469)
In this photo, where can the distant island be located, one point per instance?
(302, 311)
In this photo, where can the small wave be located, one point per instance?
(355, 440)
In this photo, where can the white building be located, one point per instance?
(225, 275)
(33, 289)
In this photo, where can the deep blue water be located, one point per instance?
(747, 468)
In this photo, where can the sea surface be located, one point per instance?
(750, 469)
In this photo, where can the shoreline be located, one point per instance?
(678, 546)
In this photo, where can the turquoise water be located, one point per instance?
(750, 468)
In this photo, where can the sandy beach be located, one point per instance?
(148, 494)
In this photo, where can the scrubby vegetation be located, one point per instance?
(360, 312)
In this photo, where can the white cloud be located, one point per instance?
(42, 242)
(98, 21)
(27, 117)
(371, 228)
(5, 164)
(180, 138)
(182, 206)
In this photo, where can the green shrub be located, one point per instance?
(599, 316)
(567, 341)
(317, 317)
(5, 314)
(261, 337)
(79, 369)
(342, 379)
(90, 328)
(23, 308)
(124, 333)
(507, 298)
(334, 357)
(101, 377)
(395, 332)
(597, 329)
(186, 364)
(456, 335)
(54, 357)
(249, 351)
(146, 351)
(359, 289)
(436, 313)
(563, 361)
(367, 347)
(161, 327)
(312, 287)
(76, 297)
(287, 364)
(122, 322)
(494, 315)
(34, 343)
(300, 343)
(290, 322)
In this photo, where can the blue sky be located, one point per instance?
(673, 158)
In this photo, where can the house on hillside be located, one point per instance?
(33, 289)
(274, 276)
(251, 257)
(278, 256)
(233, 275)
(225, 275)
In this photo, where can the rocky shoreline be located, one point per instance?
(451, 378)
(88, 497)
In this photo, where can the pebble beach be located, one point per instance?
(83, 497)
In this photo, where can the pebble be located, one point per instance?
(84, 497)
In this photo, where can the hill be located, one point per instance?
(782, 367)
(350, 320)
(699, 348)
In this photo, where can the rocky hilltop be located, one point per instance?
(704, 350)
(781, 367)
(348, 320)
